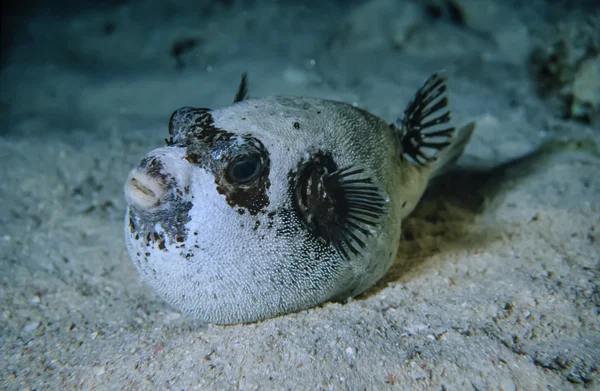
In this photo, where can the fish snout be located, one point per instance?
(143, 190)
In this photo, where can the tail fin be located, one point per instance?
(445, 158)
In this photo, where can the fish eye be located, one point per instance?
(244, 169)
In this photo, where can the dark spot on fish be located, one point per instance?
(161, 245)
(271, 219)
(404, 204)
(296, 125)
(172, 216)
(256, 225)
(241, 211)
(152, 166)
(193, 128)
(179, 239)
(131, 225)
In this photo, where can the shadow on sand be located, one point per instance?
(447, 212)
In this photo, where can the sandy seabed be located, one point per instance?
(498, 283)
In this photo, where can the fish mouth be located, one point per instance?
(142, 190)
(137, 185)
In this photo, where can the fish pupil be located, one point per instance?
(244, 169)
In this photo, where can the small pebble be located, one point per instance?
(100, 370)
(35, 299)
(172, 316)
(31, 326)
(351, 352)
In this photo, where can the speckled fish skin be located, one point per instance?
(226, 249)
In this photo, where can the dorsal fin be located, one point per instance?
(426, 121)
(242, 91)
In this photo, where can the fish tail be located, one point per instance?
(448, 156)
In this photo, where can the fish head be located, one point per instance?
(237, 220)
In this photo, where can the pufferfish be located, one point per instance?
(275, 205)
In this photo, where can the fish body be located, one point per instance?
(275, 205)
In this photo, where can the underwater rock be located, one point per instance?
(499, 22)
(566, 67)
(378, 23)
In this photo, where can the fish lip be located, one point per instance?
(140, 187)
(143, 190)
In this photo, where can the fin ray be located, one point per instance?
(340, 206)
(415, 127)
(242, 92)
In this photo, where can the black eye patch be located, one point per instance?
(241, 169)
(190, 126)
(243, 175)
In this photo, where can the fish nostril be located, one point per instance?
(143, 190)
